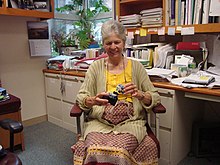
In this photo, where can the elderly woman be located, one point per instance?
(115, 133)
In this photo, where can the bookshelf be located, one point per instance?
(129, 7)
(9, 11)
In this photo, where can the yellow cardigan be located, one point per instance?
(95, 82)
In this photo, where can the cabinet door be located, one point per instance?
(54, 111)
(165, 147)
(68, 122)
(72, 85)
(53, 85)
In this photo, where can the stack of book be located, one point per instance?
(3, 95)
(151, 17)
(133, 20)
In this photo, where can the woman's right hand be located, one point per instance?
(96, 100)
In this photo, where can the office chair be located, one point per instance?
(77, 112)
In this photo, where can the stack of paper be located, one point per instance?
(151, 17)
(160, 72)
(133, 20)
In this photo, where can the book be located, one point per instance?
(182, 15)
(198, 11)
(188, 46)
(172, 13)
(205, 13)
(214, 8)
(199, 79)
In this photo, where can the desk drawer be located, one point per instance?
(167, 99)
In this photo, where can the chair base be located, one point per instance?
(10, 159)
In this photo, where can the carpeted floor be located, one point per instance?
(48, 144)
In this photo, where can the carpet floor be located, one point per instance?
(49, 144)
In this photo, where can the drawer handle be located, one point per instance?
(168, 94)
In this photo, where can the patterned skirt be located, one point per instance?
(115, 149)
(112, 149)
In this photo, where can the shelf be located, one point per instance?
(201, 28)
(128, 7)
(26, 13)
(139, 1)
(4, 10)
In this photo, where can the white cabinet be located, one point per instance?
(175, 125)
(61, 91)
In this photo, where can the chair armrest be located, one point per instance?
(159, 108)
(75, 111)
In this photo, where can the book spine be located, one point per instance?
(182, 12)
(205, 14)
(172, 13)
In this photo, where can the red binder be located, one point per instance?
(188, 46)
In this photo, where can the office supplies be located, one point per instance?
(2, 91)
(199, 79)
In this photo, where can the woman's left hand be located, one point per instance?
(131, 88)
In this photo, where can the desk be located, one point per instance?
(167, 85)
(195, 93)
(183, 105)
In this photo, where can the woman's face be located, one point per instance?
(113, 45)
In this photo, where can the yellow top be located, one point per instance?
(122, 78)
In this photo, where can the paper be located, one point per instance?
(214, 70)
(40, 47)
(184, 60)
(143, 32)
(161, 31)
(188, 31)
(137, 31)
(38, 36)
(171, 31)
(215, 84)
(214, 8)
(131, 35)
(159, 71)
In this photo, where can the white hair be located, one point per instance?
(113, 26)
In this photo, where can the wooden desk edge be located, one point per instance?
(206, 91)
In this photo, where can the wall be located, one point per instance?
(21, 74)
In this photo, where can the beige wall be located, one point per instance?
(21, 74)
